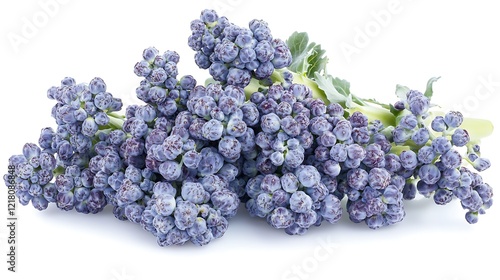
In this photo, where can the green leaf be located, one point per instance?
(326, 84)
(375, 101)
(349, 103)
(299, 48)
(401, 91)
(307, 57)
(428, 91)
(393, 110)
(342, 86)
(317, 61)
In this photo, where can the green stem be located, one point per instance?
(277, 76)
(116, 115)
(115, 122)
(58, 171)
(255, 84)
(252, 87)
(467, 160)
(398, 149)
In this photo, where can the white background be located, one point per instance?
(418, 40)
